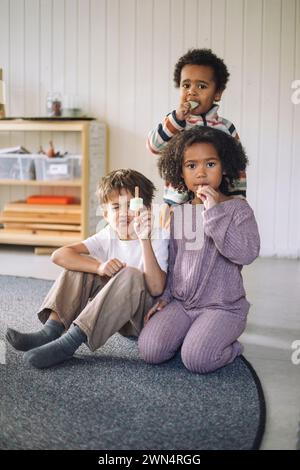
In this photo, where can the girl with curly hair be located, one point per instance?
(204, 308)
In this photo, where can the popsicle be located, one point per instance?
(136, 203)
(193, 104)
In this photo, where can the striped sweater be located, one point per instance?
(159, 137)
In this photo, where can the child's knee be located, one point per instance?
(152, 349)
(132, 271)
(67, 273)
(197, 360)
(132, 276)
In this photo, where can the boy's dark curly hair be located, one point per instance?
(230, 152)
(203, 57)
(128, 179)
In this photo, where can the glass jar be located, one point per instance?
(53, 104)
(71, 106)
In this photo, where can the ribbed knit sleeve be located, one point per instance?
(159, 137)
(167, 294)
(234, 231)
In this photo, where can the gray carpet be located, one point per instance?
(111, 399)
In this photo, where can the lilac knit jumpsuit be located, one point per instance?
(207, 307)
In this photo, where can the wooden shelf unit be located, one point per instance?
(93, 150)
(71, 183)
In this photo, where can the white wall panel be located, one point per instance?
(293, 200)
(127, 84)
(284, 145)
(250, 125)
(268, 145)
(177, 46)
(144, 161)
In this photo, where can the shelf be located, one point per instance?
(87, 134)
(73, 183)
(23, 125)
(37, 240)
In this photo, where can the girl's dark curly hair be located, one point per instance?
(203, 57)
(230, 152)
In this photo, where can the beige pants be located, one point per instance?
(99, 306)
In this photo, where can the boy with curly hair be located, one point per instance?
(202, 78)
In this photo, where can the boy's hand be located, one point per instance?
(156, 308)
(110, 267)
(208, 195)
(143, 225)
(183, 111)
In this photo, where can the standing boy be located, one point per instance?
(201, 77)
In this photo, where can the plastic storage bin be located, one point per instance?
(16, 166)
(57, 168)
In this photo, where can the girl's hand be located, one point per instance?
(208, 195)
(143, 225)
(183, 111)
(156, 308)
(110, 267)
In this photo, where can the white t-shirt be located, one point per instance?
(106, 245)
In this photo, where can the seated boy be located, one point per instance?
(109, 291)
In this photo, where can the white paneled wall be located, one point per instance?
(119, 55)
